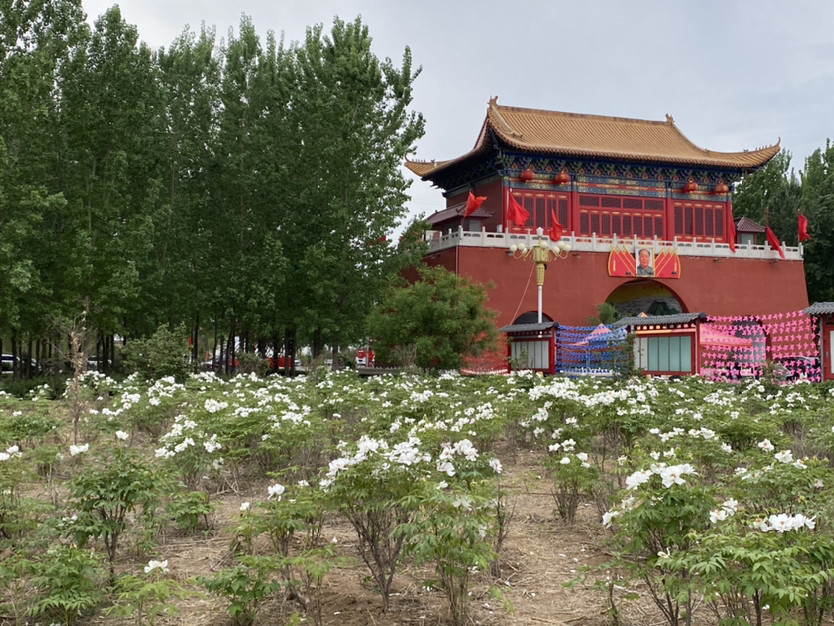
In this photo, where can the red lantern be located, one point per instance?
(722, 187)
(527, 175)
(690, 186)
(562, 178)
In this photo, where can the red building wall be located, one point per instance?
(574, 286)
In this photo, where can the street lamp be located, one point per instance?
(540, 254)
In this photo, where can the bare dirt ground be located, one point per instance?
(540, 555)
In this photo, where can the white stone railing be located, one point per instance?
(482, 239)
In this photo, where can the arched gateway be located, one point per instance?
(645, 296)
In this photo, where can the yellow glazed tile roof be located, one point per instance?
(597, 136)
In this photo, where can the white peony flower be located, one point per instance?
(275, 490)
(76, 450)
(766, 446)
(154, 564)
(638, 478)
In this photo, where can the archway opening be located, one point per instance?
(532, 317)
(645, 296)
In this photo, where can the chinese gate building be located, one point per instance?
(647, 214)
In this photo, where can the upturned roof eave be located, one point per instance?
(496, 127)
(760, 160)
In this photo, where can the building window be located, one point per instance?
(621, 216)
(472, 224)
(539, 205)
(541, 220)
(699, 221)
(664, 354)
(530, 354)
(563, 211)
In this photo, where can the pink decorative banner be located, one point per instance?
(742, 346)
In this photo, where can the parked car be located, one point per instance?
(9, 363)
(365, 358)
(93, 363)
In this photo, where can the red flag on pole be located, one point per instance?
(516, 213)
(803, 228)
(773, 241)
(472, 204)
(556, 228)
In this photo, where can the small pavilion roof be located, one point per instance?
(457, 211)
(519, 328)
(595, 136)
(746, 225)
(666, 320)
(819, 308)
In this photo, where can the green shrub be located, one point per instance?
(189, 509)
(105, 495)
(246, 586)
(165, 353)
(69, 580)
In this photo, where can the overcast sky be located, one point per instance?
(735, 74)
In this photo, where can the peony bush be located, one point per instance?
(713, 499)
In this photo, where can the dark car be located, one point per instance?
(9, 363)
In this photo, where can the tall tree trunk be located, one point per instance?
(15, 368)
(318, 343)
(195, 352)
(276, 351)
(214, 348)
(231, 349)
(29, 355)
(99, 343)
(289, 351)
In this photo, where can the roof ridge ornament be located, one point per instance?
(670, 119)
(493, 105)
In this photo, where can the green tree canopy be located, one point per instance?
(771, 196)
(433, 323)
(242, 185)
(818, 206)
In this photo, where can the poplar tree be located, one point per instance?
(354, 131)
(180, 279)
(818, 206)
(247, 241)
(36, 39)
(112, 123)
